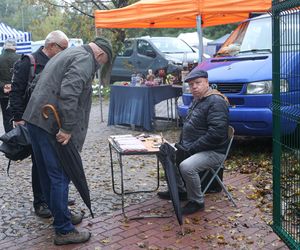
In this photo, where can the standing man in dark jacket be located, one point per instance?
(7, 60)
(55, 42)
(203, 141)
(65, 83)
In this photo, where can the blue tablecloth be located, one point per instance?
(135, 105)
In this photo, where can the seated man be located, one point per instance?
(203, 140)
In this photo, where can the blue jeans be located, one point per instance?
(189, 172)
(54, 181)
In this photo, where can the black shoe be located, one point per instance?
(166, 195)
(76, 218)
(192, 207)
(42, 210)
(72, 237)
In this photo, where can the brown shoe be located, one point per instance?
(72, 237)
(76, 218)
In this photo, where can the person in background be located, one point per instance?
(203, 140)
(66, 83)
(7, 60)
(55, 42)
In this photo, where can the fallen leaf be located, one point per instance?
(105, 241)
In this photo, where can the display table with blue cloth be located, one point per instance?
(136, 105)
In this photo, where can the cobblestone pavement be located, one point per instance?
(220, 226)
(17, 216)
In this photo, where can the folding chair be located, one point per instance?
(215, 171)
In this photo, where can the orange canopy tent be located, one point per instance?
(179, 14)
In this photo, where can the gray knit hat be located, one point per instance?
(10, 43)
(196, 73)
(105, 45)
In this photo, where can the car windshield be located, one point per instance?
(254, 36)
(171, 45)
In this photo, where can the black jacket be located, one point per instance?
(7, 60)
(206, 125)
(20, 80)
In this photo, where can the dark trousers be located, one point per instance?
(38, 197)
(6, 114)
(55, 183)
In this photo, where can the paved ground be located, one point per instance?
(220, 226)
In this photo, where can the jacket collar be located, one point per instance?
(88, 49)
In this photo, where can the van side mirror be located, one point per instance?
(150, 53)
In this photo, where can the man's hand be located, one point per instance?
(7, 88)
(62, 137)
(180, 147)
(17, 123)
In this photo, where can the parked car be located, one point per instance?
(144, 53)
(242, 70)
(72, 42)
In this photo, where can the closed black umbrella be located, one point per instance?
(166, 156)
(71, 161)
(16, 144)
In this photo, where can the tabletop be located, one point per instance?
(129, 144)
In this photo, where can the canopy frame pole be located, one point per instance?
(200, 37)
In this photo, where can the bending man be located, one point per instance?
(66, 83)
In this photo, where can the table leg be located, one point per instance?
(139, 217)
(176, 112)
(122, 186)
(112, 170)
(157, 164)
(172, 117)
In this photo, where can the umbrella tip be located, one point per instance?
(92, 214)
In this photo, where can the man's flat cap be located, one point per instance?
(10, 43)
(196, 73)
(105, 45)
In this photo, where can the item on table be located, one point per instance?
(150, 77)
(172, 79)
(140, 79)
(133, 80)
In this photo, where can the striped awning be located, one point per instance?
(23, 39)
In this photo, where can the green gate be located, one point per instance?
(286, 118)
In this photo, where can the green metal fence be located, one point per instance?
(286, 117)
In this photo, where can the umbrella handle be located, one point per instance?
(45, 112)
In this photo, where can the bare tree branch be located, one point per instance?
(54, 4)
(97, 5)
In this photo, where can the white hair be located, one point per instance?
(55, 36)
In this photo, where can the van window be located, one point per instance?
(252, 36)
(171, 45)
(143, 47)
(289, 25)
(127, 49)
